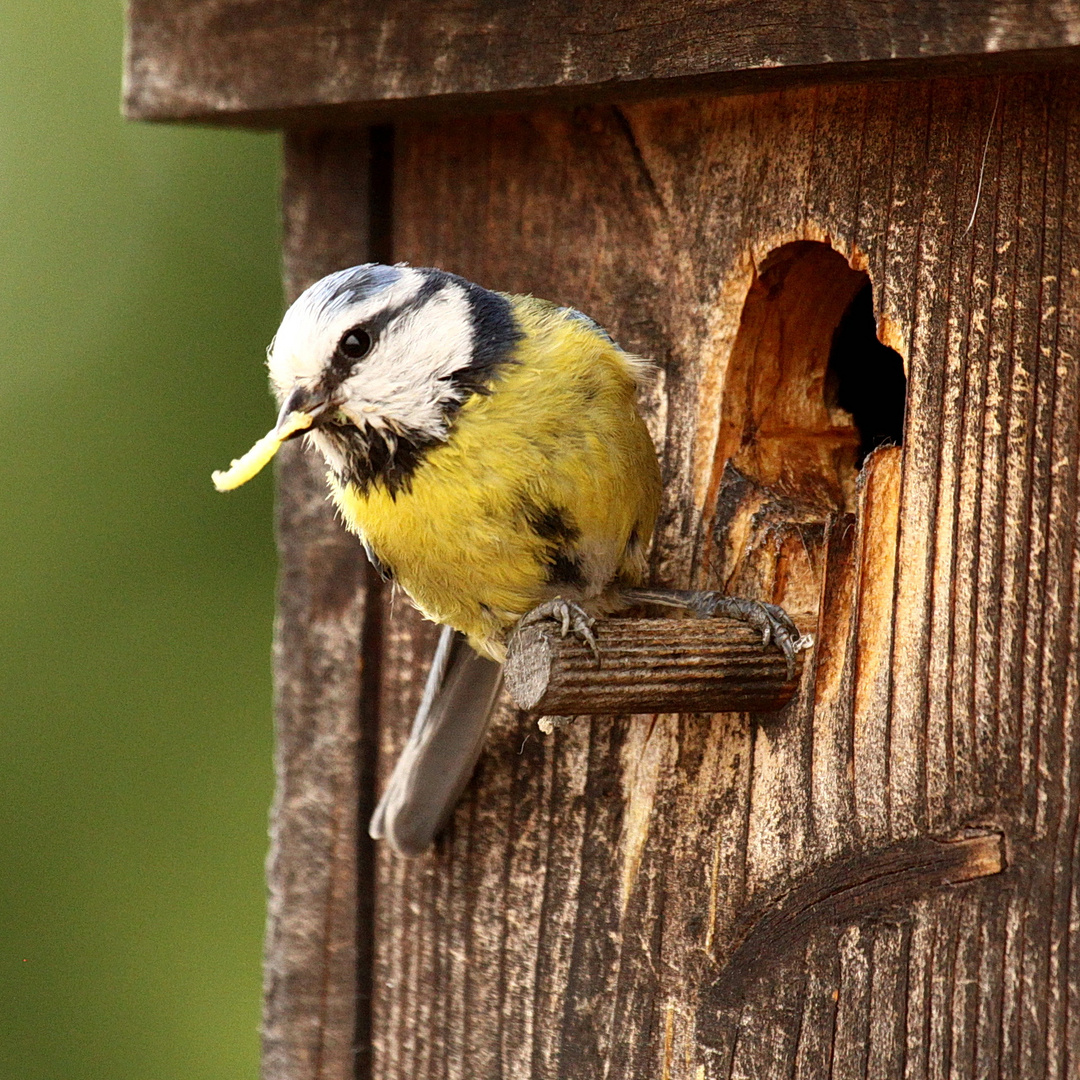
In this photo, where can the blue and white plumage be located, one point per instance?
(489, 452)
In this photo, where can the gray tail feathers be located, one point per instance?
(446, 738)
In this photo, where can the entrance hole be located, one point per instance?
(810, 390)
(866, 378)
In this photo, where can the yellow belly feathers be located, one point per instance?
(554, 460)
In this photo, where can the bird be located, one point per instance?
(488, 450)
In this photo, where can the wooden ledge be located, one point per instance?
(283, 62)
(648, 666)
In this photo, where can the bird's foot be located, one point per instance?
(572, 619)
(772, 622)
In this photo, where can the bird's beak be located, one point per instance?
(312, 404)
(302, 410)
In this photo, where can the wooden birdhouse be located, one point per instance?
(849, 236)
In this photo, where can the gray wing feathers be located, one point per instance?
(445, 741)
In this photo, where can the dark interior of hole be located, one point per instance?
(867, 378)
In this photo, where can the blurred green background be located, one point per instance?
(139, 286)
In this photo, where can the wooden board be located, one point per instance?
(689, 896)
(317, 993)
(297, 61)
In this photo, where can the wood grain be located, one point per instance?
(341, 61)
(582, 915)
(648, 665)
(317, 991)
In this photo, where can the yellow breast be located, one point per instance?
(547, 486)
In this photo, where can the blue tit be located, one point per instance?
(488, 451)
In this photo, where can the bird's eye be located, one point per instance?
(355, 344)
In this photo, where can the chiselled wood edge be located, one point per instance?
(648, 666)
(303, 112)
(856, 887)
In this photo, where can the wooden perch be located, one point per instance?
(648, 665)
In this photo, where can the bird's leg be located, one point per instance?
(572, 619)
(772, 622)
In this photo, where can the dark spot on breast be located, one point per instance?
(629, 572)
(550, 522)
(564, 569)
(556, 528)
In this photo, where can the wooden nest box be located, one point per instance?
(813, 216)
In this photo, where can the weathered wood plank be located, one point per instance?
(587, 900)
(833, 801)
(349, 60)
(910, 286)
(888, 1001)
(316, 1016)
(875, 557)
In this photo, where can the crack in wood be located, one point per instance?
(846, 891)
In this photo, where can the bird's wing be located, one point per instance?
(445, 741)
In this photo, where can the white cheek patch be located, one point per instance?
(406, 380)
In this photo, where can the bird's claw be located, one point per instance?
(572, 620)
(772, 622)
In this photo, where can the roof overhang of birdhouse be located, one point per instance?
(297, 62)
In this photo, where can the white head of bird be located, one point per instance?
(488, 451)
(381, 358)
